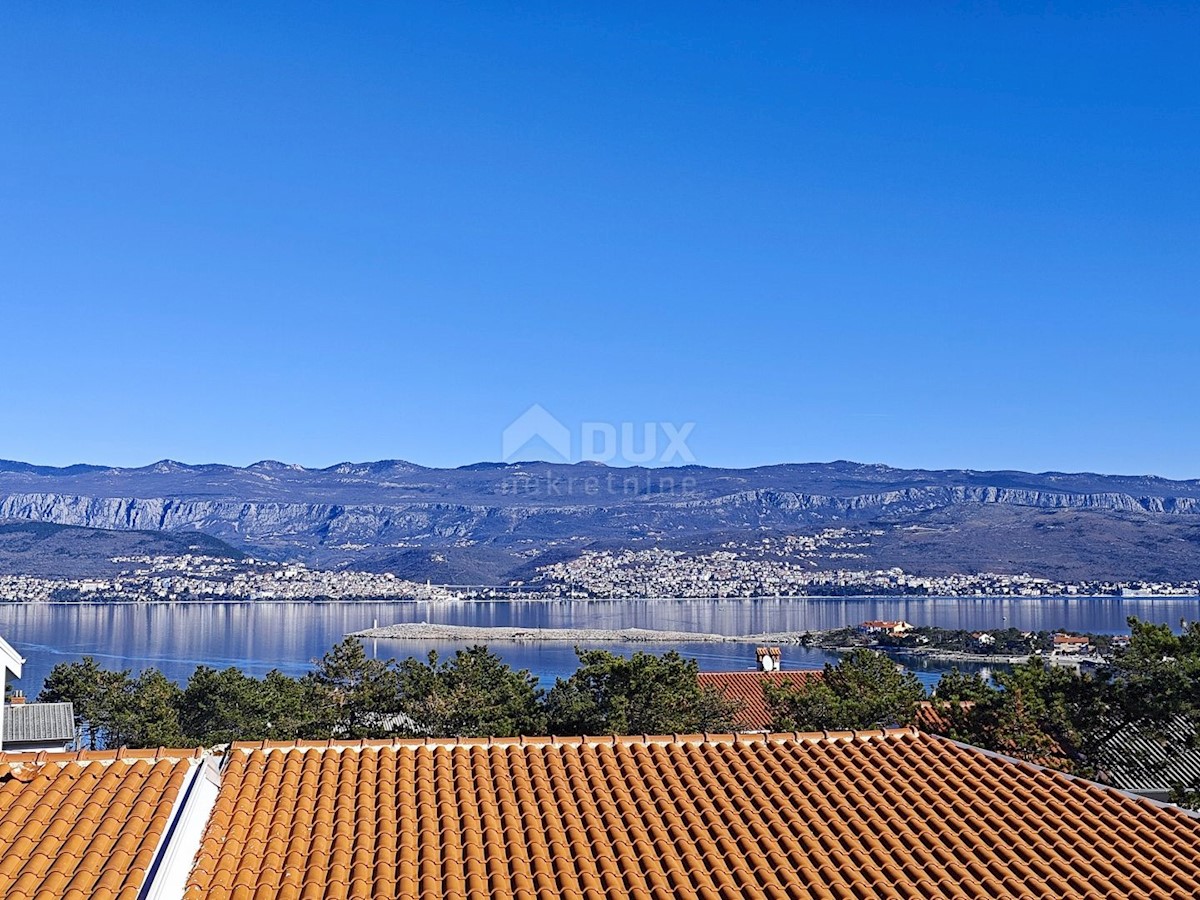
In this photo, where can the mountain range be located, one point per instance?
(489, 523)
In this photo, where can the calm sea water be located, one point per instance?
(289, 636)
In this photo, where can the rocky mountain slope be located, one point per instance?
(66, 551)
(483, 523)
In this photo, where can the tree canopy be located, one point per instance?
(864, 690)
(474, 693)
(644, 694)
(115, 709)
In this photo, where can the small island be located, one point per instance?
(1004, 645)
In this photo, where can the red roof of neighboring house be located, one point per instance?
(931, 714)
(746, 688)
(1070, 639)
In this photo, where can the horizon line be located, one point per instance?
(84, 467)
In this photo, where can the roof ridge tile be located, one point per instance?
(735, 737)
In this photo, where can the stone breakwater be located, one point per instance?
(426, 631)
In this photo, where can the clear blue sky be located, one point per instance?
(320, 232)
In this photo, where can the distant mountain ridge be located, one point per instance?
(488, 522)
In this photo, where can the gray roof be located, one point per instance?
(1143, 763)
(39, 722)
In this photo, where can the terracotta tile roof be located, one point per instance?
(746, 688)
(896, 814)
(932, 715)
(84, 826)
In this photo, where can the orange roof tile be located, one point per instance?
(896, 814)
(747, 689)
(84, 826)
(932, 714)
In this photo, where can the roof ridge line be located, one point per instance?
(122, 754)
(525, 741)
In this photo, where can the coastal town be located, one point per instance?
(208, 578)
(625, 574)
(660, 572)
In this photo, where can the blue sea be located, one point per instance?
(259, 636)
